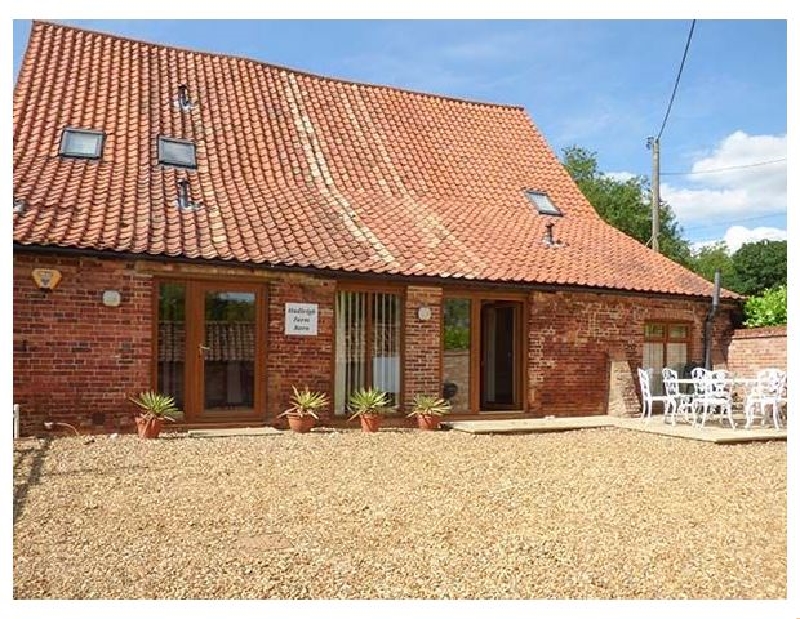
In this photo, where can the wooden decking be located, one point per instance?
(713, 431)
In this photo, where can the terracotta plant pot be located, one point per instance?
(370, 422)
(301, 423)
(428, 422)
(149, 427)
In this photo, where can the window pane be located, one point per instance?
(457, 314)
(677, 356)
(654, 331)
(542, 202)
(229, 357)
(171, 341)
(654, 359)
(81, 143)
(386, 345)
(176, 153)
(678, 332)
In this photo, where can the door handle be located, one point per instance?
(204, 348)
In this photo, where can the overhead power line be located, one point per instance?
(677, 79)
(729, 222)
(733, 167)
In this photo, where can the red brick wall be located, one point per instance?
(573, 338)
(422, 343)
(301, 360)
(755, 349)
(73, 356)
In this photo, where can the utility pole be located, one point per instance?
(654, 145)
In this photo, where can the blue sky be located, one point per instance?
(603, 85)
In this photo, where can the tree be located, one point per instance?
(767, 309)
(626, 204)
(712, 257)
(759, 266)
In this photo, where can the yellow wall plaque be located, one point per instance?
(47, 279)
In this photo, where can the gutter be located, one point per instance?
(339, 274)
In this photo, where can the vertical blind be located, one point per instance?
(367, 345)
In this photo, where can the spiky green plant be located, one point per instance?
(305, 402)
(428, 405)
(368, 401)
(156, 405)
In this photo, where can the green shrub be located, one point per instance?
(767, 309)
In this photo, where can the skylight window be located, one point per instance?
(181, 153)
(542, 203)
(81, 143)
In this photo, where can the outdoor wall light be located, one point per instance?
(46, 279)
(424, 313)
(112, 298)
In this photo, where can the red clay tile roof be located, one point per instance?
(300, 170)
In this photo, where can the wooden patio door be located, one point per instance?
(209, 348)
(500, 355)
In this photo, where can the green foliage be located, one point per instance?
(366, 401)
(767, 309)
(456, 338)
(305, 403)
(759, 266)
(156, 405)
(706, 261)
(626, 204)
(428, 405)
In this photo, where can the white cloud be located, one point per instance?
(736, 236)
(738, 193)
(498, 46)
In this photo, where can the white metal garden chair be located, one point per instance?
(681, 402)
(714, 392)
(648, 398)
(767, 391)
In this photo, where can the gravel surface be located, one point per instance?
(603, 513)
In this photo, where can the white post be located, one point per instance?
(16, 421)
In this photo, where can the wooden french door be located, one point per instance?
(209, 345)
(484, 351)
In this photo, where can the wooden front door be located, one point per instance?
(210, 348)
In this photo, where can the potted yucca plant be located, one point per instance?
(155, 408)
(428, 409)
(367, 405)
(302, 414)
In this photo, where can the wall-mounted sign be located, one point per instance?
(47, 279)
(301, 319)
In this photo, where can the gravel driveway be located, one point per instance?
(603, 513)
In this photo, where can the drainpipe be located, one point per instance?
(710, 320)
(16, 420)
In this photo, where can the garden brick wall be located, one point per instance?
(754, 349)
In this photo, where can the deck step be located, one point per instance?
(220, 432)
